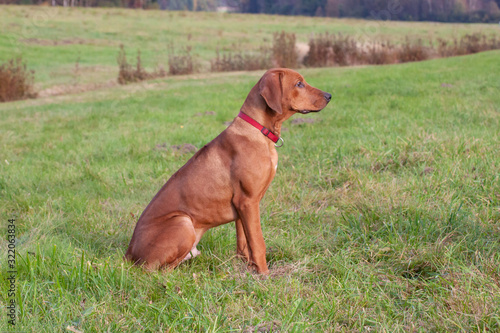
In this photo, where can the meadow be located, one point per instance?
(75, 49)
(384, 215)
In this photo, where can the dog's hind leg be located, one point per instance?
(164, 245)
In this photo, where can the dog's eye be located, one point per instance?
(300, 84)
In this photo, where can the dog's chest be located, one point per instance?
(274, 160)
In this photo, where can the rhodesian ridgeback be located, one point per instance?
(225, 180)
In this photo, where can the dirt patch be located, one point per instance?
(184, 148)
(298, 121)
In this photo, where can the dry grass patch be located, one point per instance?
(284, 53)
(128, 74)
(182, 63)
(16, 81)
(340, 50)
(238, 61)
(468, 44)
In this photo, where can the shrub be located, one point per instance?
(380, 54)
(333, 49)
(345, 50)
(324, 50)
(445, 48)
(320, 51)
(128, 74)
(16, 81)
(467, 44)
(337, 49)
(181, 64)
(412, 51)
(283, 50)
(239, 61)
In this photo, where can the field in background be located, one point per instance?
(73, 49)
(384, 214)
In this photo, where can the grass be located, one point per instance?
(53, 40)
(384, 214)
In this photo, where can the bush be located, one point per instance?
(380, 54)
(181, 64)
(467, 44)
(333, 49)
(445, 48)
(412, 51)
(16, 81)
(240, 61)
(324, 50)
(128, 74)
(320, 51)
(345, 50)
(283, 49)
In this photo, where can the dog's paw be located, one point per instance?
(243, 256)
(193, 253)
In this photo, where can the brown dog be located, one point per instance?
(225, 180)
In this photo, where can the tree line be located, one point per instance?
(408, 10)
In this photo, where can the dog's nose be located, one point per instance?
(327, 96)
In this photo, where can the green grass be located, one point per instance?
(384, 214)
(91, 36)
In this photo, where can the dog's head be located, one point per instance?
(285, 90)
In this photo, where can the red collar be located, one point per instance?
(258, 126)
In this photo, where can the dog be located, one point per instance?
(225, 180)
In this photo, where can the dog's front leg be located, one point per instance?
(241, 241)
(249, 216)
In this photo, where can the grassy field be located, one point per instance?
(384, 215)
(78, 46)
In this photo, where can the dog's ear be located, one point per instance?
(271, 90)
